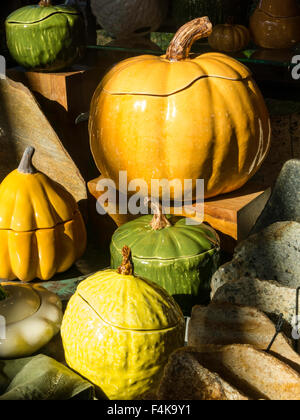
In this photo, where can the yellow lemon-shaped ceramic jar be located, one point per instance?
(118, 331)
(41, 229)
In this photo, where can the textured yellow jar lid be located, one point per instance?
(129, 302)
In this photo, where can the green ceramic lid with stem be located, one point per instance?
(44, 37)
(39, 12)
(173, 252)
(165, 237)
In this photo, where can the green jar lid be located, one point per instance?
(36, 13)
(179, 240)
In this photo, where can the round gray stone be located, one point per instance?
(264, 272)
(284, 203)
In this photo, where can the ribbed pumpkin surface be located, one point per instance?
(161, 77)
(180, 258)
(45, 38)
(41, 253)
(197, 118)
(33, 201)
(177, 241)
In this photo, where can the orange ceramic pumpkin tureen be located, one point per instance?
(180, 116)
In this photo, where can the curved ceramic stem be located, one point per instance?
(230, 20)
(26, 166)
(45, 3)
(126, 268)
(159, 220)
(181, 44)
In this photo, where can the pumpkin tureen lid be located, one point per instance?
(30, 200)
(129, 302)
(157, 76)
(39, 12)
(175, 71)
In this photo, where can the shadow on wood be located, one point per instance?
(22, 123)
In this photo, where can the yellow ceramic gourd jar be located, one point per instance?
(119, 330)
(180, 117)
(41, 229)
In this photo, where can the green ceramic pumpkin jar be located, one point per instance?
(167, 250)
(44, 37)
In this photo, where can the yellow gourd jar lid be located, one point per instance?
(30, 200)
(129, 302)
(175, 71)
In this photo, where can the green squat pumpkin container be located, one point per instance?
(167, 250)
(44, 37)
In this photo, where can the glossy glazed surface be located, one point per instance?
(118, 332)
(175, 241)
(200, 118)
(33, 201)
(229, 38)
(45, 38)
(279, 8)
(43, 252)
(33, 316)
(276, 24)
(35, 13)
(41, 229)
(21, 303)
(180, 258)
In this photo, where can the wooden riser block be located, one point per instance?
(232, 215)
(235, 214)
(72, 90)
